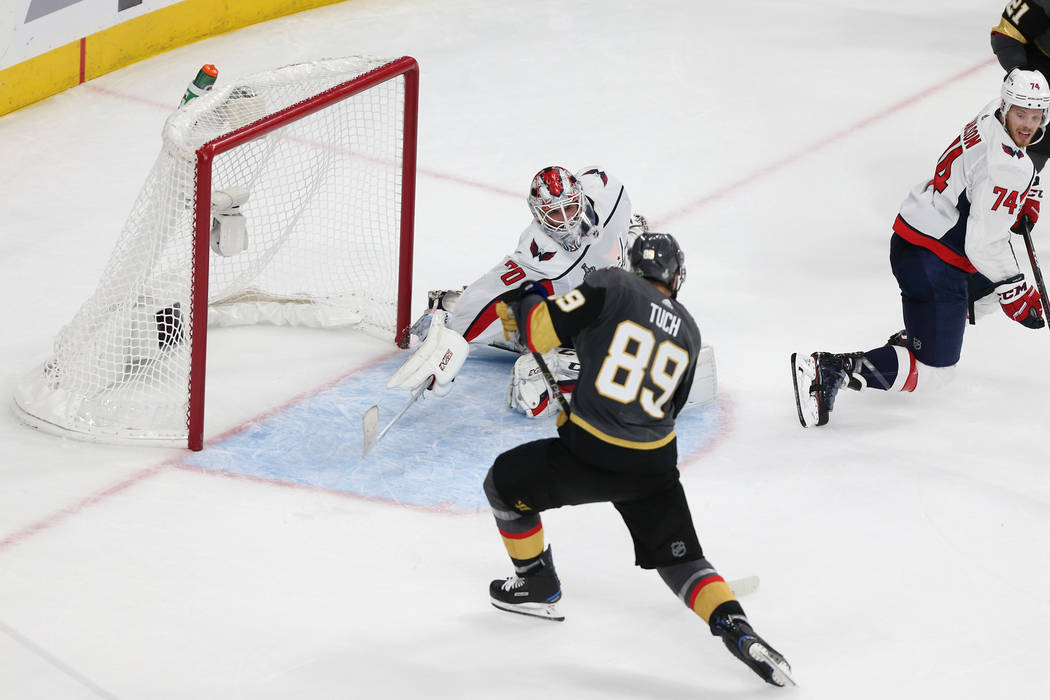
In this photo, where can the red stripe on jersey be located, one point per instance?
(521, 536)
(715, 578)
(902, 229)
(913, 375)
(485, 319)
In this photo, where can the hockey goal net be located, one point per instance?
(284, 197)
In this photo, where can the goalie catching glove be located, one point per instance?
(529, 392)
(436, 362)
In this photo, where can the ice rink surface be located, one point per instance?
(902, 549)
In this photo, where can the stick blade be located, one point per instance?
(370, 426)
(744, 586)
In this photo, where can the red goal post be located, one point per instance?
(286, 197)
(405, 66)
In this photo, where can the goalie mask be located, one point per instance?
(657, 256)
(560, 207)
(1027, 89)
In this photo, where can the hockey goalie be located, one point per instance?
(580, 222)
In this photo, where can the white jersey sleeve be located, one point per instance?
(539, 257)
(964, 213)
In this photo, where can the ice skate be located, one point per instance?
(754, 651)
(533, 593)
(817, 381)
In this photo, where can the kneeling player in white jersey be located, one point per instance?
(580, 223)
(951, 226)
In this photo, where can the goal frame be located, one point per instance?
(205, 156)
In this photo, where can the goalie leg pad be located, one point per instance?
(529, 392)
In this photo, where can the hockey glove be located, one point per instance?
(508, 317)
(436, 362)
(1021, 302)
(1029, 213)
(538, 288)
(444, 299)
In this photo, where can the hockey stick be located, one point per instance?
(1026, 233)
(370, 421)
(743, 586)
(551, 384)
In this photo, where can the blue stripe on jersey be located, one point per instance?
(615, 207)
(955, 237)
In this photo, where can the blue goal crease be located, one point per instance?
(435, 457)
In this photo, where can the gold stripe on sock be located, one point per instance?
(526, 545)
(709, 593)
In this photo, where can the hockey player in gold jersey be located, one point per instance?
(637, 348)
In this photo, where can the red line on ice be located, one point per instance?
(822, 144)
(50, 521)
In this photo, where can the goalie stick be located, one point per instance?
(1026, 233)
(370, 420)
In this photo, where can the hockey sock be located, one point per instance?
(522, 533)
(698, 585)
(879, 368)
(524, 547)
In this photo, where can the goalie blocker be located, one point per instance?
(436, 362)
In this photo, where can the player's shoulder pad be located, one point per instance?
(610, 277)
(527, 236)
(595, 181)
(593, 176)
(1032, 21)
(685, 314)
(1009, 166)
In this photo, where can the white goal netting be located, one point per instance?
(305, 225)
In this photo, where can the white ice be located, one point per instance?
(902, 549)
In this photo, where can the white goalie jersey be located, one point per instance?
(540, 257)
(964, 214)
